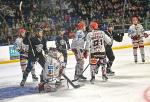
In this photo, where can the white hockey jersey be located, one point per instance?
(95, 41)
(79, 41)
(19, 45)
(135, 30)
(52, 67)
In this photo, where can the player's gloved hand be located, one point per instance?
(146, 35)
(136, 37)
(121, 34)
(60, 48)
(46, 52)
(85, 54)
(74, 51)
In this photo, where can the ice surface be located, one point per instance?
(128, 85)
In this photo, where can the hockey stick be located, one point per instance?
(70, 82)
(20, 8)
(81, 73)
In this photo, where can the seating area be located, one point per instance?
(53, 15)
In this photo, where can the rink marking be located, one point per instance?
(147, 94)
(71, 53)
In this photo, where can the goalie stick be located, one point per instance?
(70, 82)
(81, 73)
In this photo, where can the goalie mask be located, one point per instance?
(53, 52)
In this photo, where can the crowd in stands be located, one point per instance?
(52, 15)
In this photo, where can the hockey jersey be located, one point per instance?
(136, 30)
(20, 46)
(95, 41)
(79, 41)
(62, 43)
(36, 45)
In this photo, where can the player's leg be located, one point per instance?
(104, 69)
(79, 65)
(28, 69)
(34, 77)
(141, 47)
(111, 57)
(135, 47)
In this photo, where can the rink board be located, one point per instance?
(8, 55)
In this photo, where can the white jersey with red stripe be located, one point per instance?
(136, 30)
(79, 41)
(96, 40)
(19, 45)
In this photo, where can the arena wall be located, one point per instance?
(9, 55)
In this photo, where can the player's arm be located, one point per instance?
(88, 41)
(107, 39)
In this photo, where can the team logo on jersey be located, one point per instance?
(62, 42)
(39, 47)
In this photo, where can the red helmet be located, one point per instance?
(81, 25)
(21, 30)
(94, 25)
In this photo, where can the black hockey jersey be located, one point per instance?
(36, 45)
(61, 42)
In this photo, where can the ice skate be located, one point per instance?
(110, 72)
(41, 87)
(105, 78)
(92, 80)
(135, 61)
(22, 83)
(143, 60)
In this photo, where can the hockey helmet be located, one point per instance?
(53, 52)
(21, 30)
(81, 25)
(94, 25)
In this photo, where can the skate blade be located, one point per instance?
(34, 80)
(105, 79)
(82, 80)
(110, 74)
(92, 83)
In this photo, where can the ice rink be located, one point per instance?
(130, 84)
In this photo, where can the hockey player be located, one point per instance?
(95, 45)
(109, 52)
(77, 46)
(136, 33)
(62, 44)
(54, 67)
(23, 50)
(37, 44)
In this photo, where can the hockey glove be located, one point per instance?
(85, 54)
(122, 34)
(146, 35)
(74, 51)
(136, 37)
